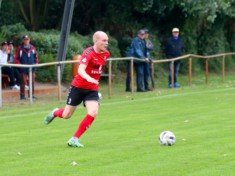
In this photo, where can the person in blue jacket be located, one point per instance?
(174, 48)
(147, 64)
(137, 50)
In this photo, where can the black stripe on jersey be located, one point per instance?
(88, 51)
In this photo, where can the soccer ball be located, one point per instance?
(167, 138)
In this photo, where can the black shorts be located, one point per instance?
(78, 95)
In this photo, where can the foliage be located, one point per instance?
(13, 31)
(46, 74)
(34, 12)
(9, 14)
(47, 44)
(206, 26)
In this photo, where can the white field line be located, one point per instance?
(20, 115)
(130, 101)
(167, 96)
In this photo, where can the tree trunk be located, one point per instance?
(23, 11)
(0, 3)
(33, 12)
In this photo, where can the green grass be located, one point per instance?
(123, 139)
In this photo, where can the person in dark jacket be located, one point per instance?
(137, 50)
(26, 54)
(174, 48)
(147, 64)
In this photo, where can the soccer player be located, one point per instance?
(84, 87)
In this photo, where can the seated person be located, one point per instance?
(11, 60)
(7, 70)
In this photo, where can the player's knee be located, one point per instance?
(93, 113)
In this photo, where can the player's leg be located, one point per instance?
(65, 113)
(73, 99)
(91, 102)
(92, 111)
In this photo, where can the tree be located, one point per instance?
(197, 20)
(33, 12)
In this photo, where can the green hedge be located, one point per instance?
(47, 43)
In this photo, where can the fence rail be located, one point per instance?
(110, 60)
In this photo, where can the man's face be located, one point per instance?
(4, 47)
(175, 34)
(102, 42)
(141, 36)
(10, 46)
(26, 41)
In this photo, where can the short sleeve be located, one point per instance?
(86, 56)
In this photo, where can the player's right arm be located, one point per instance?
(83, 74)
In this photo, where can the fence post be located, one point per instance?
(206, 71)
(0, 86)
(172, 74)
(132, 75)
(31, 85)
(223, 68)
(59, 81)
(190, 71)
(110, 78)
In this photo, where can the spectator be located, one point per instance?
(147, 65)
(11, 59)
(174, 48)
(26, 54)
(137, 50)
(7, 70)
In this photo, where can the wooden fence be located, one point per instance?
(110, 60)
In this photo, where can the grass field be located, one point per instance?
(123, 139)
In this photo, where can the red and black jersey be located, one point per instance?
(95, 63)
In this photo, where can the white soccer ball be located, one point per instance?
(167, 138)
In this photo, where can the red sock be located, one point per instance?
(59, 112)
(84, 125)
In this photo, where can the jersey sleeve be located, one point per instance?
(85, 60)
(86, 56)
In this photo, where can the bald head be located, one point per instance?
(100, 40)
(99, 34)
